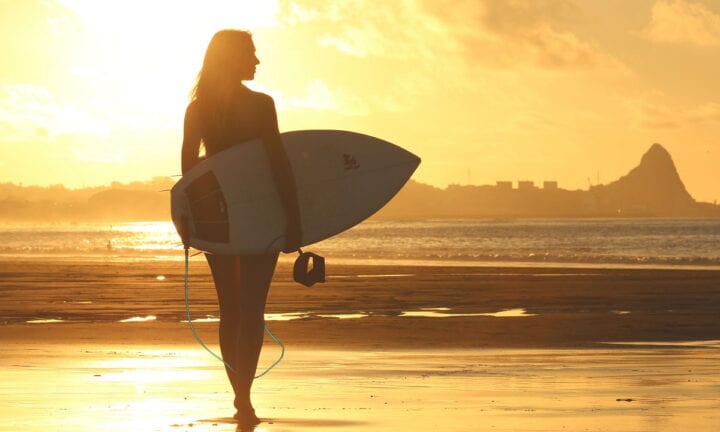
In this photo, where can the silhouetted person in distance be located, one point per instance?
(223, 113)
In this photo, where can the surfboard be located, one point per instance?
(231, 204)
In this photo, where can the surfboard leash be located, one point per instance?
(197, 336)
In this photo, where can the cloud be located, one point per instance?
(683, 21)
(537, 33)
(358, 42)
(114, 15)
(489, 33)
(30, 112)
(397, 30)
(99, 153)
(478, 59)
(292, 12)
(317, 97)
(705, 113)
(660, 116)
(556, 49)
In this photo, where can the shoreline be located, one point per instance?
(132, 257)
(178, 335)
(411, 306)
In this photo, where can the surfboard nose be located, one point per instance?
(416, 160)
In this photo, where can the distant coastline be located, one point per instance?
(119, 202)
(652, 189)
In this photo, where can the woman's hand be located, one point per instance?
(293, 238)
(284, 179)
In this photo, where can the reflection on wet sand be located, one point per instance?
(344, 316)
(286, 316)
(139, 319)
(693, 344)
(44, 321)
(439, 313)
(121, 388)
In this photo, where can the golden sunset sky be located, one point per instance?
(483, 90)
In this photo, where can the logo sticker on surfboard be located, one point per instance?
(350, 162)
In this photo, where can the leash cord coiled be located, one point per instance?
(197, 337)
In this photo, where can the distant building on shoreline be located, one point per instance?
(651, 189)
(526, 185)
(504, 185)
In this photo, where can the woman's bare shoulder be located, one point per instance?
(262, 98)
(192, 110)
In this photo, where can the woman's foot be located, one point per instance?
(247, 417)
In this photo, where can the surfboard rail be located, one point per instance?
(232, 205)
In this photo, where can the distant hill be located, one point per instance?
(652, 189)
(136, 201)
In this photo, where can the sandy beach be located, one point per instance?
(100, 345)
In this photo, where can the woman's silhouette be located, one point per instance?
(222, 113)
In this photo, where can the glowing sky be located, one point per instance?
(568, 90)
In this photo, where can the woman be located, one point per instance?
(222, 113)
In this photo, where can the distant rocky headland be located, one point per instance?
(119, 202)
(652, 189)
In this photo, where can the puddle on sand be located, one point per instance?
(207, 319)
(139, 319)
(343, 316)
(436, 313)
(289, 316)
(679, 344)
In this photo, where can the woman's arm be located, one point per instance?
(284, 178)
(191, 140)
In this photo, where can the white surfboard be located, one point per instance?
(232, 206)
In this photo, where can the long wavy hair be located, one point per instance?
(218, 80)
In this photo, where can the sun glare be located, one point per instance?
(145, 227)
(153, 366)
(132, 15)
(145, 64)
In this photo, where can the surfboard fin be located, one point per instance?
(306, 275)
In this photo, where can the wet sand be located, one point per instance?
(561, 363)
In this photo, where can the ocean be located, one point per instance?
(612, 242)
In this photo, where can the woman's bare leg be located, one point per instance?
(242, 283)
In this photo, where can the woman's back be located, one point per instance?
(250, 115)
